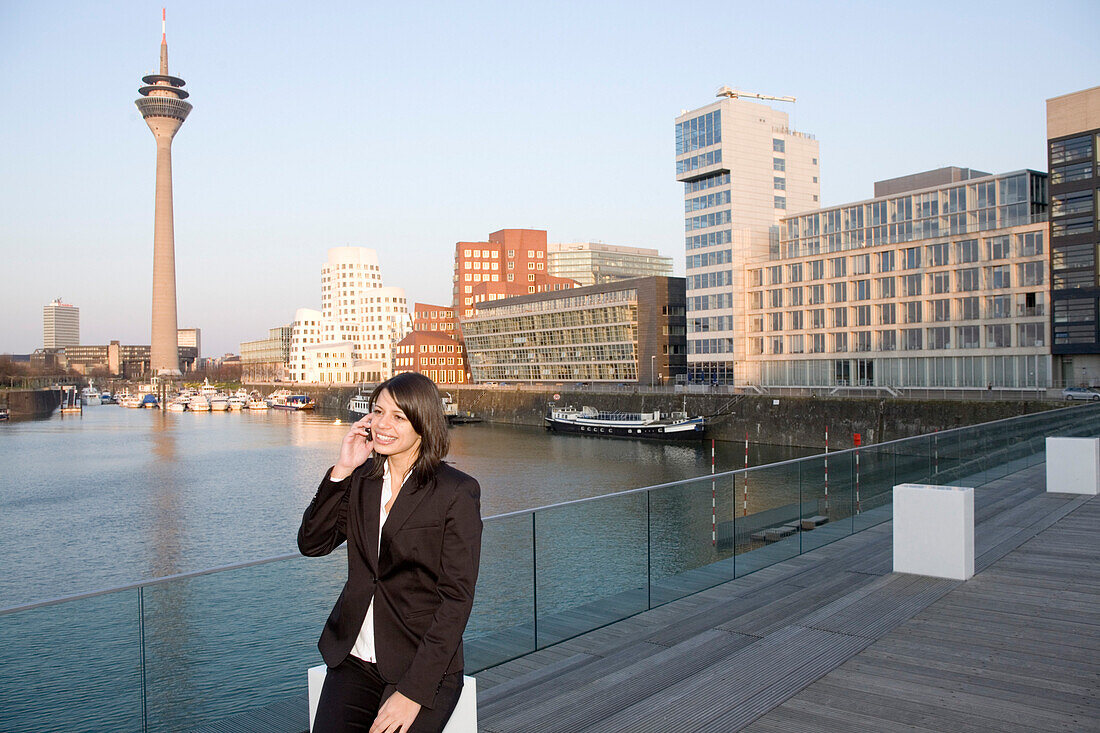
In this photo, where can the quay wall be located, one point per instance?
(29, 403)
(797, 421)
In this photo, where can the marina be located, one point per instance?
(647, 425)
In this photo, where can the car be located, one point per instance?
(1080, 393)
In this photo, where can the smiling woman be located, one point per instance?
(393, 643)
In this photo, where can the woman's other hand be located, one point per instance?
(354, 450)
(396, 714)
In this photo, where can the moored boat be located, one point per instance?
(179, 404)
(90, 396)
(198, 403)
(149, 400)
(649, 425)
(218, 402)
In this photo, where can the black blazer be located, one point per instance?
(422, 580)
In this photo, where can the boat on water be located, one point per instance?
(293, 402)
(236, 402)
(107, 399)
(130, 400)
(359, 405)
(178, 404)
(149, 401)
(257, 402)
(650, 425)
(90, 396)
(218, 402)
(4, 414)
(198, 403)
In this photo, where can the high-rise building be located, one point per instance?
(512, 262)
(60, 325)
(354, 335)
(163, 107)
(1073, 143)
(591, 263)
(743, 169)
(938, 281)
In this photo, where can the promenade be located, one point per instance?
(832, 640)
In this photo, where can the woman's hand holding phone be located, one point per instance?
(354, 450)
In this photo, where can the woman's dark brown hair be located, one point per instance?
(418, 398)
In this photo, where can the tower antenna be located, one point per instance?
(164, 25)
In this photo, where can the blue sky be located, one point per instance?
(407, 127)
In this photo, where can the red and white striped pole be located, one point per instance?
(826, 469)
(745, 509)
(857, 441)
(713, 501)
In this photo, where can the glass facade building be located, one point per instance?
(1073, 148)
(944, 286)
(590, 263)
(628, 331)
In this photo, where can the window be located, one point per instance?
(1031, 273)
(887, 340)
(794, 273)
(999, 306)
(911, 339)
(887, 313)
(840, 317)
(1030, 243)
(775, 298)
(998, 248)
(817, 345)
(817, 269)
(817, 318)
(863, 315)
(941, 282)
(886, 287)
(794, 296)
(839, 292)
(778, 146)
(817, 294)
(779, 164)
(968, 279)
(941, 310)
(999, 276)
(967, 308)
(531, 278)
(776, 344)
(998, 336)
(780, 202)
(794, 320)
(840, 342)
(838, 266)
(775, 275)
(913, 312)
(910, 258)
(912, 284)
(966, 251)
(862, 289)
(756, 278)
(794, 344)
(775, 321)
(939, 337)
(937, 254)
(1031, 334)
(861, 264)
(779, 183)
(886, 261)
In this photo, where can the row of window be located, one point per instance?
(704, 221)
(708, 259)
(699, 132)
(997, 277)
(495, 254)
(1028, 335)
(711, 181)
(699, 161)
(940, 254)
(710, 239)
(942, 310)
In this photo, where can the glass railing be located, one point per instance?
(189, 651)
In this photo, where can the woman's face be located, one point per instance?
(392, 432)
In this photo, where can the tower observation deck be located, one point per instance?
(163, 107)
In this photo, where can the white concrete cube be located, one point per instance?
(934, 530)
(1073, 465)
(463, 719)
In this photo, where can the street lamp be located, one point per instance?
(652, 381)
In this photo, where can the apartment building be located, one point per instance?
(591, 263)
(938, 281)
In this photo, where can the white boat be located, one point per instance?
(198, 403)
(218, 402)
(359, 405)
(179, 404)
(257, 403)
(131, 400)
(90, 396)
(236, 402)
(590, 421)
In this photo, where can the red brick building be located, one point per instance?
(435, 355)
(511, 263)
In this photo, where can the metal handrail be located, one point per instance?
(524, 512)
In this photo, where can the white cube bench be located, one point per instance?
(934, 530)
(1073, 465)
(463, 719)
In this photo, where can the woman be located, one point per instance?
(393, 642)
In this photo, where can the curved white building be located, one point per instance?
(353, 337)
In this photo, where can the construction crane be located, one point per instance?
(735, 93)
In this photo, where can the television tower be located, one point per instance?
(164, 111)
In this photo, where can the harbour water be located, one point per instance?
(119, 495)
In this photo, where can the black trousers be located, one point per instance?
(354, 691)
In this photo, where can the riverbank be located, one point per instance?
(794, 421)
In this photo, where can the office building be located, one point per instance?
(267, 360)
(743, 169)
(60, 325)
(163, 107)
(122, 360)
(190, 337)
(353, 337)
(941, 286)
(512, 262)
(591, 263)
(624, 331)
(1073, 144)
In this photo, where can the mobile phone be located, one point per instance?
(369, 436)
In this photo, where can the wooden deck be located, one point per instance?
(833, 640)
